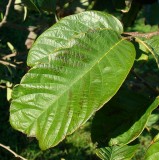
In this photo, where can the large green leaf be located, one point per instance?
(58, 35)
(117, 152)
(153, 152)
(59, 95)
(122, 119)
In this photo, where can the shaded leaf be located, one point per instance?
(153, 152)
(117, 152)
(59, 95)
(122, 119)
(141, 50)
(58, 35)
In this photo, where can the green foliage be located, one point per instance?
(152, 152)
(89, 65)
(75, 81)
(117, 152)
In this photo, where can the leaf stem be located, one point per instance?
(11, 151)
(137, 34)
(7, 63)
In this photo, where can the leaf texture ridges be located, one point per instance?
(59, 34)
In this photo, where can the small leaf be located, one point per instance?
(117, 152)
(141, 50)
(153, 152)
(153, 45)
(122, 119)
(128, 6)
(58, 35)
(152, 119)
(156, 138)
(59, 95)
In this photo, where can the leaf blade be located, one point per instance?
(72, 82)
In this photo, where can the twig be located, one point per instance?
(9, 56)
(137, 34)
(1, 86)
(11, 151)
(6, 13)
(7, 63)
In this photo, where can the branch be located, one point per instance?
(137, 34)
(7, 63)
(6, 13)
(9, 56)
(11, 151)
(1, 86)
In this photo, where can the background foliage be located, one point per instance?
(26, 21)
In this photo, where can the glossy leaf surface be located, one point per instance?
(122, 119)
(66, 29)
(59, 95)
(117, 152)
